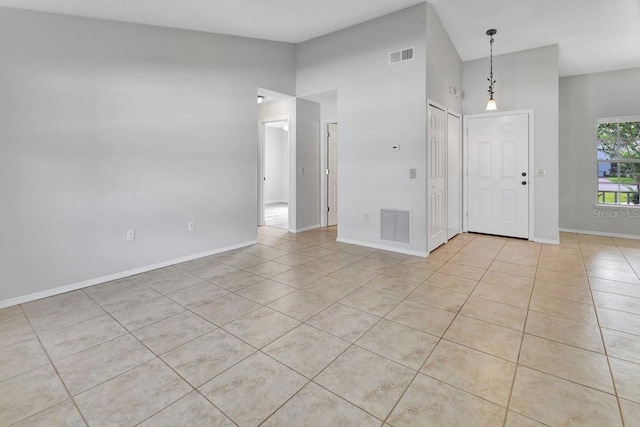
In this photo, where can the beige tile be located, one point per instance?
(369, 381)
(508, 280)
(516, 420)
(322, 266)
(146, 313)
(617, 302)
(439, 298)
(442, 254)
(30, 393)
(119, 294)
(573, 293)
(226, 309)
(614, 287)
(260, 327)
(315, 406)
(404, 345)
(599, 263)
(342, 257)
(620, 276)
(266, 291)
(250, 391)
(373, 302)
(422, 317)
(63, 414)
(21, 357)
(300, 305)
(424, 263)
(572, 310)
(495, 312)
(192, 410)
(351, 274)
(206, 357)
(196, 295)
(209, 270)
(516, 258)
(297, 278)
(174, 282)
(565, 331)
(392, 285)
(294, 259)
(133, 396)
(11, 313)
(472, 371)
(268, 269)
(389, 256)
(486, 337)
(405, 272)
(555, 401)
(240, 260)
(626, 375)
(452, 283)
(66, 316)
(464, 271)
(630, 412)
(480, 250)
(561, 278)
(377, 265)
(344, 322)
(86, 369)
(330, 288)
(306, 350)
(619, 320)
(158, 274)
(57, 302)
(622, 345)
(568, 362)
(64, 342)
(173, 332)
(265, 252)
(564, 266)
(513, 269)
(471, 261)
(316, 252)
(237, 280)
(502, 294)
(429, 402)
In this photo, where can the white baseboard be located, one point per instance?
(311, 227)
(547, 241)
(601, 233)
(383, 247)
(115, 276)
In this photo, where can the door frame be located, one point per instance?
(261, 166)
(324, 162)
(459, 116)
(531, 174)
(447, 111)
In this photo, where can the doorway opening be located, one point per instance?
(276, 174)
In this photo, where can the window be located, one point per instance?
(618, 161)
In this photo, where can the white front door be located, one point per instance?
(498, 175)
(436, 178)
(332, 174)
(454, 188)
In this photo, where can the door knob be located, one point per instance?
(524, 174)
(524, 182)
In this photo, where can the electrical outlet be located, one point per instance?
(412, 174)
(395, 147)
(366, 217)
(191, 225)
(131, 235)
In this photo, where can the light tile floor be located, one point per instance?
(300, 330)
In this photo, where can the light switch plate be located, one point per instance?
(412, 173)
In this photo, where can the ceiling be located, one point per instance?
(593, 35)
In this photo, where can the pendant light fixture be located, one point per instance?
(491, 104)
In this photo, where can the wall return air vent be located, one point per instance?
(401, 55)
(395, 225)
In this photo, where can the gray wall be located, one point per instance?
(444, 66)
(583, 100)
(307, 164)
(106, 127)
(526, 80)
(378, 106)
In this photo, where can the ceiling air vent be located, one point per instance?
(395, 225)
(402, 55)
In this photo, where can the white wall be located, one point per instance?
(276, 163)
(526, 80)
(583, 100)
(444, 66)
(378, 106)
(108, 126)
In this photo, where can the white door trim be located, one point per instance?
(261, 167)
(531, 182)
(324, 161)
